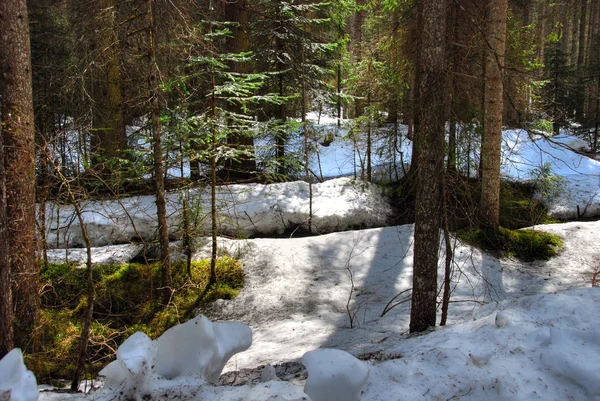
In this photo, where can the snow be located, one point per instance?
(516, 330)
(244, 210)
(188, 354)
(567, 182)
(523, 155)
(334, 375)
(579, 183)
(16, 382)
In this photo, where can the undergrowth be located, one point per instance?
(518, 206)
(128, 299)
(526, 245)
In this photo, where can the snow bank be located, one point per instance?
(244, 210)
(187, 354)
(549, 349)
(107, 255)
(16, 382)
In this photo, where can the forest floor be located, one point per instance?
(299, 296)
(516, 330)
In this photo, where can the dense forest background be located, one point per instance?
(140, 96)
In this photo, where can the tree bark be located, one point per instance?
(492, 139)
(19, 161)
(6, 312)
(356, 53)
(582, 29)
(430, 145)
(108, 128)
(237, 11)
(159, 175)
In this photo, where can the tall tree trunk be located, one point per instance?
(594, 108)
(492, 139)
(19, 161)
(574, 34)
(213, 180)
(280, 135)
(452, 67)
(339, 94)
(159, 175)
(582, 36)
(6, 310)
(565, 32)
(356, 55)
(108, 127)
(236, 11)
(541, 31)
(430, 144)
(307, 174)
(593, 25)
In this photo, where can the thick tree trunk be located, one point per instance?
(280, 139)
(430, 145)
(492, 139)
(565, 32)
(574, 34)
(541, 32)
(19, 161)
(6, 312)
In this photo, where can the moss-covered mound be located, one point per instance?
(128, 299)
(526, 245)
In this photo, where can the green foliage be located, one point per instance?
(126, 302)
(548, 184)
(541, 125)
(519, 208)
(527, 245)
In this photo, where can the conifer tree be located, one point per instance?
(494, 97)
(430, 144)
(19, 164)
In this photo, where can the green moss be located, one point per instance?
(518, 208)
(127, 300)
(526, 245)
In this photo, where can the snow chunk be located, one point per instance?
(200, 348)
(186, 355)
(131, 373)
(232, 337)
(268, 373)
(501, 319)
(334, 375)
(16, 382)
